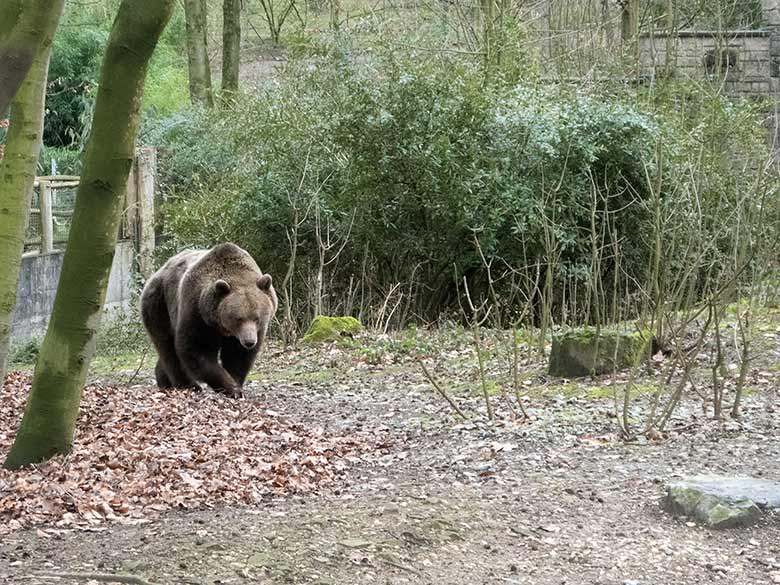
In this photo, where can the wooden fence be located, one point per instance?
(54, 199)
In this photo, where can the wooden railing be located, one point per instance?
(55, 197)
(47, 190)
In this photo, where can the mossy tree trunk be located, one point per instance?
(23, 145)
(231, 44)
(50, 415)
(25, 26)
(196, 16)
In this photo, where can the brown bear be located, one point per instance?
(207, 313)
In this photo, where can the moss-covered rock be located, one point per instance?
(331, 328)
(589, 352)
(721, 502)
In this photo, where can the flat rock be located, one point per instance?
(721, 501)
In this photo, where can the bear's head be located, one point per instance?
(245, 307)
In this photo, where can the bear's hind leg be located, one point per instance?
(154, 314)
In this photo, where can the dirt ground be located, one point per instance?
(558, 499)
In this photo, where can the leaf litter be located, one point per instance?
(138, 452)
(555, 498)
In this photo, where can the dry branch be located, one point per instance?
(439, 389)
(101, 577)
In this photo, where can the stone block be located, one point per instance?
(589, 352)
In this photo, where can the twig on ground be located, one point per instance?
(400, 566)
(439, 389)
(101, 577)
(140, 365)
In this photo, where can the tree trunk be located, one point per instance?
(17, 169)
(25, 25)
(630, 20)
(231, 44)
(335, 17)
(488, 33)
(197, 52)
(50, 415)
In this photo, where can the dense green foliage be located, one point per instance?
(417, 173)
(412, 161)
(73, 72)
(66, 161)
(73, 76)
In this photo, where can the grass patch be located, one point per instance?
(107, 364)
(293, 375)
(580, 391)
(493, 388)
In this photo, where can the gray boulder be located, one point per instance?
(589, 352)
(721, 501)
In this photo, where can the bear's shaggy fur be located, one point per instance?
(207, 313)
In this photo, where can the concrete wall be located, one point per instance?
(38, 280)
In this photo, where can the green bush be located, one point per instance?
(413, 160)
(25, 353)
(166, 90)
(74, 72)
(121, 335)
(67, 161)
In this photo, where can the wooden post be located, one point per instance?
(146, 172)
(130, 209)
(47, 226)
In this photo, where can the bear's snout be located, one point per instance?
(247, 335)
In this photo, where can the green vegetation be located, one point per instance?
(386, 153)
(73, 80)
(123, 335)
(25, 353)
(593, 391)
(73, 74)
(391, 152)
(395, 348)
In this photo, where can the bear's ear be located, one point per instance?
(264, 282)
(222, 287)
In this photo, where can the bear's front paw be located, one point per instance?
(234, 392)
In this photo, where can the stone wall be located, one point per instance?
(133, 259)
(746, 63)
(740, 60)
